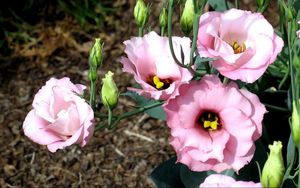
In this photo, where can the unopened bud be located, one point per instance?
(93, 74)
(296, 125)
(163, 18)
(140, 13)
(290, 13)
(187, 17)
(273, 170)
(109, 92)
(95, 58)
(260, 3)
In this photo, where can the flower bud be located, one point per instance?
(290, 12)
(95, 58)
(187, 17)
(163, 18)
(93, 74)
(109, 92)
(273, 170)
(260, 3)
(140, 13)
(296, 125)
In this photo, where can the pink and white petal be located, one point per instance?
(202, 166)
(278, 45)
(74, 139)
(245, 74)
(195, 138)
(217, 180)
(165, 66)
(67, 122)
(257, 113)
(42, 109)
(59, 100)
(233, 121)
(238, 162)
(263, 46)
(84, 109)
(35, 128)
(218, 144)
(128, 66)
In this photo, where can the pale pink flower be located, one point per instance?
(220, 180)
(244, 44)
(214, 126)
(151, 63)
(60, 117)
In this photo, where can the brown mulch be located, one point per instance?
(123, 157)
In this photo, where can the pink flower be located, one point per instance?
(243, 43)
(220, 180)
(151, 63)
(60, 117)
(213, 127)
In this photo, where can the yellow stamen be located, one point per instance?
(157, 82)
(209, 123)
(238, 48)
(212, 125)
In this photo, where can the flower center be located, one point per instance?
(158, 83)
(238, 48)
(210, 121)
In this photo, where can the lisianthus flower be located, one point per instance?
(220, 180)
(150, 61)
(244, 44)
(214, 126)
(60, 117)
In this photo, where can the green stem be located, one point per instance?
(226, 4)
(93, 94)
(276, 107)
(294, 96)
(170, 15)
(141, 31)
(298, 185)
(162, 31)
(225, 80)
(134, 112)
(109, 118)
(207, 67)
(195, 36)
(99, 127)
(283, 80)
(237, 4)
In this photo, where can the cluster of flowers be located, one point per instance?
(213, 125)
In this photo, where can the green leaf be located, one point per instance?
(199, 62)
(157, 112)
(290, 151)
(167, 174)
(192, 179)
(219, 5)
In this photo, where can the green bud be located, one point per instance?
(140, 13)
(163, 18)
(296, 125)
(187, 17)
(109, 92)
(273, 170)
(260, 3)
(95, 58)
(290, 14)
(93, 74)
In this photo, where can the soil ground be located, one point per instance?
(58, 47)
